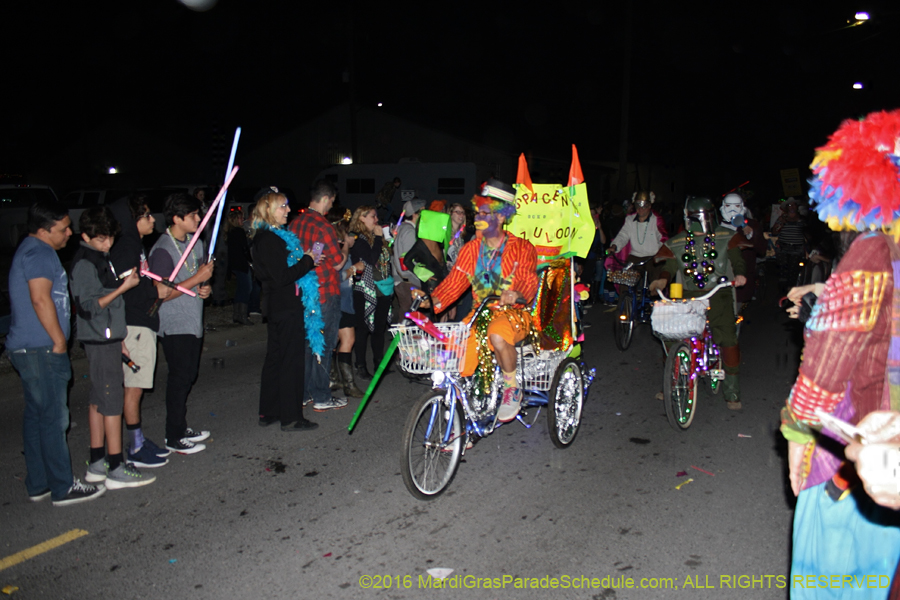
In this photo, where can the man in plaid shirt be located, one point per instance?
(311, 226)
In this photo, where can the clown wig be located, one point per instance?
(856, 174)
(497, 206)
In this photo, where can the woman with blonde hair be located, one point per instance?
(373, 288)
(289, 283)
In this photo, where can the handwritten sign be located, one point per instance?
(555, 218)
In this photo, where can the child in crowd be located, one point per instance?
(97, 292)
(181, 316)
(136, 222)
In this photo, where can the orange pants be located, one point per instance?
(511, 324)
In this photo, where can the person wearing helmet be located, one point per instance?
(644, 230)
(736, 216)
(705, 254)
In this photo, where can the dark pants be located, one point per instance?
(318, 383)
(45, 379)
(247, 291)
(281, 386)
(382, 308)
(183, 360)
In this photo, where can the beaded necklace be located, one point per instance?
(699, 269)
(191, 268)
(638, 231)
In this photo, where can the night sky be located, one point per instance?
(730, 94)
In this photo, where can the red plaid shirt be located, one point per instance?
(312, 227)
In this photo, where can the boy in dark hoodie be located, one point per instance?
(136, 222)
(97, 293)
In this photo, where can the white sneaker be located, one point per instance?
(330, 404)
(512, 403)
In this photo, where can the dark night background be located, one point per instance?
(730, 92)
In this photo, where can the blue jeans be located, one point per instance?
(247, 291)
(318, 386)
(45, 378)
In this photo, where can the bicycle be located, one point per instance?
(448, 419)
(693, 356)
(634, 304)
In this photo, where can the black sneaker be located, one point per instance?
(265, 421)
(194, 435)
(301, 425)
(185, 446)
(80, 492)
(160, 452)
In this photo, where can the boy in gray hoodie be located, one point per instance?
(97, 293)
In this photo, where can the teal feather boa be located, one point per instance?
(309, 285)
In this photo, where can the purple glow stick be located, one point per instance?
(203, 223)
(215, 233)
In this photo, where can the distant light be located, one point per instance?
(199, 5)
(857, 86)
(380, 104)
(861, 16)
(113, 170)
(346, 161)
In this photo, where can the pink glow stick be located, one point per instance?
(400, 220)
(183, 290)
(209, 213)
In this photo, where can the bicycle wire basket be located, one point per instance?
(629, 277)
(421, 353)
(679, 319)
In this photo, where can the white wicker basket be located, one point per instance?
(679, 319)
(421, 353)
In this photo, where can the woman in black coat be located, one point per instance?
(281, 389)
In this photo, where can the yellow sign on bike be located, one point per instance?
(555, 218)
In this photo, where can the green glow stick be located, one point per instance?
(375, 379)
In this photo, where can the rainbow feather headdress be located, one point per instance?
(856, 175)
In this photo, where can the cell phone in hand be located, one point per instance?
(317, 250)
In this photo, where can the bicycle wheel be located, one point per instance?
(624, 325)
(428, 463)
(564, 414)
(679, 390)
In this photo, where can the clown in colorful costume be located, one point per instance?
(848, 355)
(501, 264)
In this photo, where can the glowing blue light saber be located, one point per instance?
(215, 232)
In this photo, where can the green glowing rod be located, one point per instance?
(375, 379)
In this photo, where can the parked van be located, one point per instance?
(359, 184)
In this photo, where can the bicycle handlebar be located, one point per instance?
(706, 296)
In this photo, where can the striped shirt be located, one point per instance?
(519, 254)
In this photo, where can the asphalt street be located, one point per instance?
(325, 514)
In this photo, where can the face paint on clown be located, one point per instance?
(490, 216)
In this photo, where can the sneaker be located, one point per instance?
(185, 446)
(96, 471)
(307, 401)
(161, 452)
(329, 404)
(733, 404)
(194, 435)
(80, 492)
(301, 425)
(265, 421)
(39, 497)
(127, 475)
(509, 408)
(147, 458)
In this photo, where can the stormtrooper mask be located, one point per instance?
(732, 206)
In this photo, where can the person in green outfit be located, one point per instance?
(706, 254)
